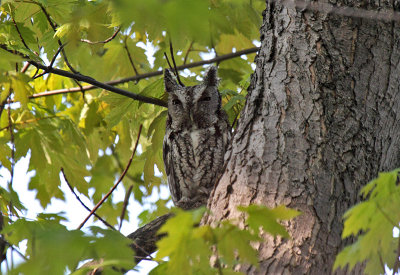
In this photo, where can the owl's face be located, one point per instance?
(193, 107)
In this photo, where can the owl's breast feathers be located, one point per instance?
(194, 158)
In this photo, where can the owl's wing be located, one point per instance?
(169, 166)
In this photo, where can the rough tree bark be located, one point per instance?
(322, 117)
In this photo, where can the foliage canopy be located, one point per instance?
(49, 116)
(53, 56)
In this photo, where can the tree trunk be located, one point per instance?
(322, 117)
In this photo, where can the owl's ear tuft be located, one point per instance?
(211, 78)
(169, 81)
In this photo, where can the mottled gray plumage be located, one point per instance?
(197, 136)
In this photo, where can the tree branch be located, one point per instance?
(96, 84)
(146, 237)
(130, 57)
(82, 203)
(20, 34)
(125, 206)
(102, 42)
(11, 130)
(187, 52)
(109, 85)
(116, 184)
(60, 44)
(142, 76)
(171, 50)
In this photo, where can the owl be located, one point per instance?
(196, 139)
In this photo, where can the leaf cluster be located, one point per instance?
(372, 222)
(90, 134)
(193, 249)
(52, 249)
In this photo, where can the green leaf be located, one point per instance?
(233, 243)
(21, 88)
(120, 106)
(373, 221)
(47, 239)
(262, 216)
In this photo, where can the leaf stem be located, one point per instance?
(397, 261)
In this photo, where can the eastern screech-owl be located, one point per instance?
(196, 139)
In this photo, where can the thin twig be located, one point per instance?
(82, 203)
(125, 206)
(51, 63)
(55, 56)
(11, 129)
(114, 154)
(130, 57)
(19, 32)
(25, 68)
(109, 85)
(169, 64)
(60, 44)
(146, 75)
(148, 259)
(13, 248)
(171, 50)
(36, 72)
(22, 122)
(187, 52)
(99, 84)
(215, 51)
(102, 42)
(116, 184)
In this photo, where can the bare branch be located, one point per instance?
(20, 34)
(171, 50)
(82, 203)
(130, 57)
(125, 205)
(145, 237)
(102, 42)
(96, 84)
(116, 184)
(187, 52)
(51, 63)
(166, 58)
(108, 85)
(25, 68)
(147, 75)
(11, 129)
(60, 44)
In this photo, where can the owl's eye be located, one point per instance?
(176, 102)
(205, 98)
